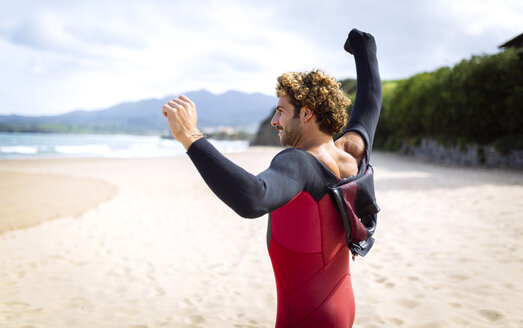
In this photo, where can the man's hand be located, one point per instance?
(352, 143)
(181, 115)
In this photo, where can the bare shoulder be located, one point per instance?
(347, 164)
(353, 144)
(341, 163)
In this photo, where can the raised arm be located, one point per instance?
(358, 135)
(248, 195)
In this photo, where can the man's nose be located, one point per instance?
(274, 120)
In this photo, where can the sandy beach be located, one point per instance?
(138, 243)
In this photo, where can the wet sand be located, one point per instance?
(148, 245)
(27, 199)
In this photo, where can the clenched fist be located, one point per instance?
(181, 116)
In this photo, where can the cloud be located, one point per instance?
(93, 54)
(76, 32)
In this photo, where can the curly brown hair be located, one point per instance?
(318, 92)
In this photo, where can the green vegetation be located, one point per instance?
(479, 100)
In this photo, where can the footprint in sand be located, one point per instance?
(508, 285)
(491, 315)
(80, 303)
(380, 279)
(395, 321)
(460, 322)
(151, 277)
(408, 303)
(458, 277)
(165, 322)
(159, 291)
(17, 306)
(465, 260)
(455, 305)
(20, 308)
(196, 319)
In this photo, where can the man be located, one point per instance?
(305, 236)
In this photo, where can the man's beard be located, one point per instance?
(291, 133)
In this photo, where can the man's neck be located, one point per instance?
(313, 142)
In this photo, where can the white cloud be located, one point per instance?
(60, 55)
(487, 16)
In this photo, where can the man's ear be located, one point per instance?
(307, 113)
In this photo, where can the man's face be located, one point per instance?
(284, 120)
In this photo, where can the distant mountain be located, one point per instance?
(233, 108)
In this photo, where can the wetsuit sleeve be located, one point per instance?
(248, 195)
(367, 106)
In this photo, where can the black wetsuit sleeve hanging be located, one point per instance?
(367, 106)
(248, 195)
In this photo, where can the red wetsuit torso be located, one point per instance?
(310, 259)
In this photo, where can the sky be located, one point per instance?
(59, 55)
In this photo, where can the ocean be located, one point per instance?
(51, 145)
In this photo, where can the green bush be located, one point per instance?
(479, 100)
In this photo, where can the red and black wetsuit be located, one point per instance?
(305, 236)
